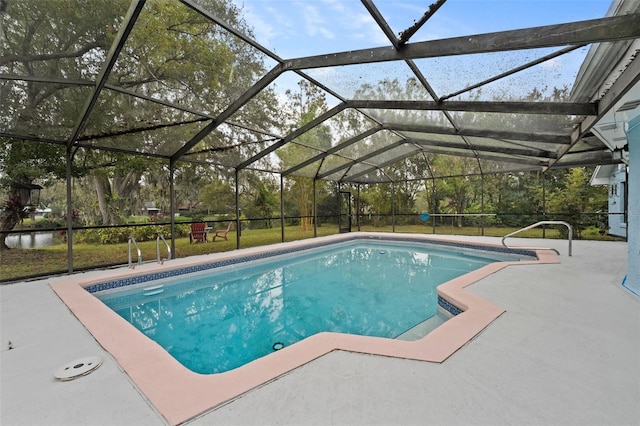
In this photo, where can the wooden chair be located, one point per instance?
(222, 233)
(198, 233)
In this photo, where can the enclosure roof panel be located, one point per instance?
(337, 90)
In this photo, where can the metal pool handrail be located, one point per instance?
(161, 237)
(544, 222)
(133, 240)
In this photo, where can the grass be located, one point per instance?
(20, 263)
(16, 264)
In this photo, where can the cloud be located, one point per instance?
(365, 28)
(551, 64)
(263, 31)
(281, 18)
(315, 24)
(335, 5)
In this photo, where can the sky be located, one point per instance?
(295, 28)
(298, 28)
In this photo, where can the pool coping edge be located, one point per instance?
(180, 394)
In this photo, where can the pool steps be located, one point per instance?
(424, 328)
(153, 290)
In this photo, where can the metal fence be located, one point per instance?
(50, 242)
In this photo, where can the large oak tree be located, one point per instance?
(173, 54)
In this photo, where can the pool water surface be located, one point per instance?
(218, 320)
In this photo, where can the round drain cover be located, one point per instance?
(77, 368)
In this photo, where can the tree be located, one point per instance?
(577, 197)
(218, 197)
(22, 164)
(518, 197)
(173, 54)
(259, 198)
(46, 39)
(453, 191)
(306, 105)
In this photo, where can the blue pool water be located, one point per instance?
(221, 319)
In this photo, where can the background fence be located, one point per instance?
(43, 249)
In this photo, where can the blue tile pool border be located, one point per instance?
(109, 285)
(448, 306)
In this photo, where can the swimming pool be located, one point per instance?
(220, 319)
(179, 394)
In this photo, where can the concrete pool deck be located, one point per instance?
(567, 351)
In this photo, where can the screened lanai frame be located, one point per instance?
(515, 133)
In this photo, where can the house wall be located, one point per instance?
(632, 281)
(617, 221)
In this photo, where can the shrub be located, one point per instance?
(90, 236)
(117, 235)
(142, 233)
(113, 235)
(47, 223)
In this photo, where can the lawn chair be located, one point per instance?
(198, 233)
(222, 233)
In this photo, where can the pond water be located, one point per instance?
(31, 240)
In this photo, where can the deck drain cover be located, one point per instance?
(77, 368)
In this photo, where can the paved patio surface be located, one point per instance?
(566, 352)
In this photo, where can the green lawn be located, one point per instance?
(20, 263)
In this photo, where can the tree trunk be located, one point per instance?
(7, 223)
(10, 218)
(127, 188)
(102, 190)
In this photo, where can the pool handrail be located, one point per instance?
(543, 222)
(133, 240)
(161, 237)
